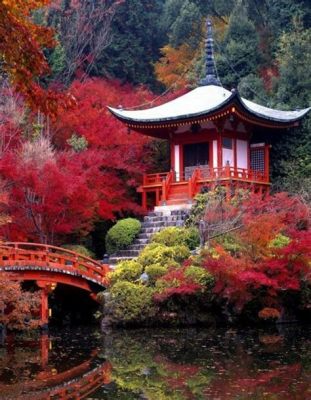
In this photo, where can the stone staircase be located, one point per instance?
(153, 222)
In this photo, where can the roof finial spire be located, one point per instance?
(211, 77)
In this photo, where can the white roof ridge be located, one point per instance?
(203, 100)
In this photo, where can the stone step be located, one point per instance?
(163, 218)
(152, 223)
(158, 228)
(180, 212)
(115, 260)
(177, 201)
(155, 214)
(136, 246)
(128, 253)
(143, 236)
(142, 241)
(162, 224)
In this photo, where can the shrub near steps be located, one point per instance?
(154, 222)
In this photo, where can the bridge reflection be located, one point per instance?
(36, 371)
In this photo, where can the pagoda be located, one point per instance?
(216, 138)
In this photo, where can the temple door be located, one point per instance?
(195, 155)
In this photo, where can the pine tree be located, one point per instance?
(135, 43)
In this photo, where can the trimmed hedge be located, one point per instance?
(155, 271)
(131, 303)
(129, 270)
(177, 236)
(122, 234)
(156, 253)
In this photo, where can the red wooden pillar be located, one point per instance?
(157, 197)
(144, 200)
(44, 308)
(267, 162)
(46, 288)
(44, 347)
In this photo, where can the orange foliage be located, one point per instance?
(21, 52)
(175, 64)
(269, 313)
(171, 69)
(17, 306)
(259, 231)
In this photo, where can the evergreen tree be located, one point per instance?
(187, 26)
(134, 44)
(238, 55)
(292, 166)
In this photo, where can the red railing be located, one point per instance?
(18, 255)
(192, 183)
(166, 185)
(228, 172)
(154, 179)
(208, 174)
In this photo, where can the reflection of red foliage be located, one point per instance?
(107, 370)
(268, 312)
(177, 375)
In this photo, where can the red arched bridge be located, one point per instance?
(50, 265)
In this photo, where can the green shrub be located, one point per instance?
(230, 242)
(279, 241)
(156, 253)
(198, 209)
(122, 234)
(181, 253)
(174, 236)
(155, 271)
(130, 302)
(129, 270)
(200, 276)
(77, 248)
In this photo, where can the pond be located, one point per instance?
(177, 364)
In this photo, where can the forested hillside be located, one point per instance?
(65, 164)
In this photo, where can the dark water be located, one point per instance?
(158, 365)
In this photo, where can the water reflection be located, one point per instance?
(60, 366)
(159, 365)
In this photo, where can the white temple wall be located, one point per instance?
(177, 161)
(242, 153)
(227, 157)
(215, 154)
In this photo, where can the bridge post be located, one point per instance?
(46, 288)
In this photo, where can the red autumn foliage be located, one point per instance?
(91, 119)
(263, 271)
(54, 191)
(61, 196)
(21, 48)
(17, 306)
(176, 283)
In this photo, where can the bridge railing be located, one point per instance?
(40, 255)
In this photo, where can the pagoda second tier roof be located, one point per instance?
(203, 101)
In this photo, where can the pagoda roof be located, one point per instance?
(201, 102)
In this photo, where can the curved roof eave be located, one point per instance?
(131, 116)
(250, 107)
(271, 114)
